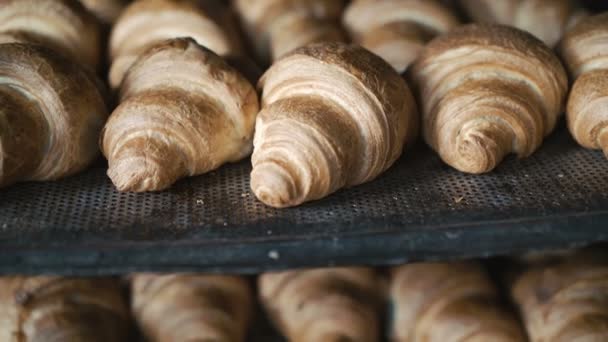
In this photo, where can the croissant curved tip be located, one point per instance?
(481, 147)
(138, 174)
(274, 185)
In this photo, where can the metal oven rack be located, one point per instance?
(420, 209)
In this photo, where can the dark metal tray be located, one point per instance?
(420, 209)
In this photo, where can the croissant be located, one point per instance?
(277, 27)
(585, 52)
(145, 23)
(487, 91)
(62, 25)
(51, 113)
(107, 11)
(334, 304)
(397, 30)
(546, 19)
(62, 309)
(446, 302)
(567, 300)
(224, 15)
(189, 307)
(334, 115)
(183, 112)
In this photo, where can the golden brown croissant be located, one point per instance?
(277, 27)
(107, 11)
(51, 113)
(585, 51)
(330, 305)
(565, 301)
(62, 25)
(189, 307)
(56, 309)
(546, 19)
(448, 302)
(487, 91)
(396, 30)
(183, 112)
(147, 22)
(334, 115)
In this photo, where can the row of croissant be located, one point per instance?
(559, 298)
(326, 114)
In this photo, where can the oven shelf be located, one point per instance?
(419, 210)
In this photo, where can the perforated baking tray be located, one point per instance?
(420, 209)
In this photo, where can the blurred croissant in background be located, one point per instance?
(396, 30)
(145, 23)
(276, 27)
(546, 19)
(331, 304)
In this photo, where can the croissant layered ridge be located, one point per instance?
(146, 23)
(333, 115)
(51, 115)
(487, 91)
(333, 304)
(444, 302)
(62, 25)
(397, 30)
(183, 112)
(585, 52)
(192, 307)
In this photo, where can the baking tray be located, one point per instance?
(420, 209)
